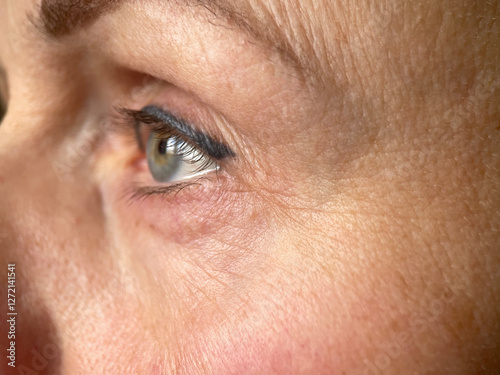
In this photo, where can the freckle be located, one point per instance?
(2, 180)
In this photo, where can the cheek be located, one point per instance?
(194, 252)
(288, 324)
(232, 287)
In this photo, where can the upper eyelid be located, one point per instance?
(151, 115)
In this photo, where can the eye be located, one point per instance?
(171, 159)
(175, 150)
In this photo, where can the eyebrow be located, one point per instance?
(59, 18)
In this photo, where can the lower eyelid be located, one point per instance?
(138, 182)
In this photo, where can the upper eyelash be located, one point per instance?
(185, 147)
(167, 124)
(207, 149)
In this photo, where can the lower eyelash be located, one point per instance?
(141, 193)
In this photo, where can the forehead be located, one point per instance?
(284, 25)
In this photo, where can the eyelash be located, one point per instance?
(132, 122)
(185, 148)
(155, 116)
(144, 192)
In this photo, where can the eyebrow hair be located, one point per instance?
(59, 18)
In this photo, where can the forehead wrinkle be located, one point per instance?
(57, 18)
(264, 30)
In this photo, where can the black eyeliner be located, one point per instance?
(154, 115)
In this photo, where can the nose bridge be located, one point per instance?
(48, 198)
(51, 226)
(31, 194)
(26, 177)
(24, 185)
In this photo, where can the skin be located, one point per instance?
(356, 232)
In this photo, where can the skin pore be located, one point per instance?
(355, 230)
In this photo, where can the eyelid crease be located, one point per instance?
(151, 115)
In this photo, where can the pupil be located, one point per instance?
(162, 147)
